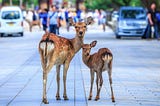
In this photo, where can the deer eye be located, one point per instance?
(76, 27)
(84, 26)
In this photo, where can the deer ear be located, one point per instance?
(89, 20)
(71, 22)
(93, 44)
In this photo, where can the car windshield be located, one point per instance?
(10, 15)
(133, 14)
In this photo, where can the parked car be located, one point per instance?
(132, 21)
(11, 20)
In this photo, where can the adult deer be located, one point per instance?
(98, 62)
(56, 50)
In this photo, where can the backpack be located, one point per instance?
(158, 17)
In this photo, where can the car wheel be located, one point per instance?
(118, 37)
(143, 37)
(21, 33)
(1, 34)
(10, 35)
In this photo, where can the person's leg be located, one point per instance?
(148, 31)
(45, 27)
(51, 28)
(57, 32)
(67, 24)
(156, 31)
(54, 29)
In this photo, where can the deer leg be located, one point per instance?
(99, 85)
(97, 82)
(44, 78)
(45, 72)
(92, 80)
(30, 28)
(44, 87)
(110, 81)
(65, 69)
(58, 82)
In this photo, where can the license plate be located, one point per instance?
(133, 32)
(11, 24)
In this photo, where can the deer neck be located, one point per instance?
(86, 59)
(77, 43)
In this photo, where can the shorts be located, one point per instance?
(44, 27)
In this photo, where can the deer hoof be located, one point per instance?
(65, 98)
(90, 98)
(97, 98)
(58, 98)
(45, 101)
(113, 100)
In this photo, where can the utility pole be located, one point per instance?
(10, 2)
(48, 4)
(20, 3)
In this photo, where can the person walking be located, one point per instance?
(101, 20)
(53, 20)
(158, 20)
(152, 22)
(44, 15)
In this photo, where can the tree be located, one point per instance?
(108, 4)
(147, 3)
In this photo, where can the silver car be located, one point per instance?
(132, 21)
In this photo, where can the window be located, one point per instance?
(10, 15)
(133, 14)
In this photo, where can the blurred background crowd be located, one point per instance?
(40, 12)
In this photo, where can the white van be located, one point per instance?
(11, 20)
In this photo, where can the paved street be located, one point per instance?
(136, 72)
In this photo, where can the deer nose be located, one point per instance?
(87, 54)
(80, 32)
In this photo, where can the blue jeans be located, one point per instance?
(53, 29)
(156, 34)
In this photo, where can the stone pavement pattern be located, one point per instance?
(136, 72)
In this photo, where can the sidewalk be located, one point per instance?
(136, 77)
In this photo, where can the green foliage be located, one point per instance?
(16, 2)
(97, 4)
(107, 4)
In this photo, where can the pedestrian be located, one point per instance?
(53, 20)
(158, 20)
(60, 19)
(67, 19)
(152, 22)
(78, 12)
(44, 15)
(101, 19)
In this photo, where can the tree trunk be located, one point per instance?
(77, 3)
(10, 2)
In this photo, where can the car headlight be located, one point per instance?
(143, 24)
(122, 24)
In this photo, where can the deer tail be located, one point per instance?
(47, 46)
(107, 57)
